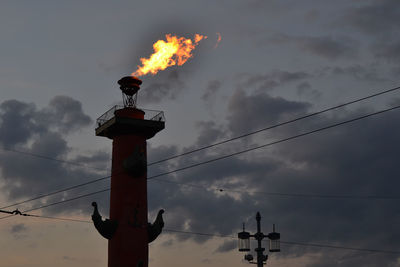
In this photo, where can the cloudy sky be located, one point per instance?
(277, 60)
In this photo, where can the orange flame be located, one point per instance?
(175, 51)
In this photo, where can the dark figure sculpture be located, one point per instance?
(155, 229)
(107, 227)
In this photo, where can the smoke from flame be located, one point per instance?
(175, 51)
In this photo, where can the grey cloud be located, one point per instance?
(272, 79)
(97, 159)
(19, 231)
(305, 89)
(209, 133)
(18, 228)
(227, 246)
(68, 258)
(168, 243)
(211, 89)
(67, 113)
(19, 121)
(358, 72)
(206, 261)
(389, 51)
(374, 17)
(43, 132)
(325, 46)
(252, 112)
(17, 124)
(394, 102)
(357, 159)
(166, 85)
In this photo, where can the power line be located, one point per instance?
(277, 194)
(56, 192)
(341, 247)
(290, 243)
(27, 153)
(276, 142)
(277, 125)
(60, 219)
(189, 152)
(235, 154)
(60, 202)
(234, 237)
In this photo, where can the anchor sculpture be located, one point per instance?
(107, 228)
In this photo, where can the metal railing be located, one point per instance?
(153, 115)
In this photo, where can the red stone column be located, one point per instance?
(127, 229)
(128, 201)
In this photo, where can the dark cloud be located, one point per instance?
(248, 112)
(211, 90)
(390, 51)
(166, 85)
(19, 231)
(379, 19)
(305, 89)
(20, 121)
(357, 71)
(209, 132)
(324, 46)
(16, 123)
(374, 17)
(67, 114)
(359, 159)
(271, 79)
(43, 132)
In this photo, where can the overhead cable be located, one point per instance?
(234, 237)
(235, 154)
(192, 151)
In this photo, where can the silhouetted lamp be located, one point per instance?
(248, 257)
(244, 240)
(274, 240)
(129, 86)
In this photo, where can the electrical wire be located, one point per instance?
(56, 192)
(50, 158)
(189, 152)
(234, 237)
(277, 194)
(291, 243)
(232, 154)
(341, 247)
(276, 142)
(59, 202)
(276, 125)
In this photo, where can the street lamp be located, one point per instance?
(244, 240)
(274, 240)
(244, 243)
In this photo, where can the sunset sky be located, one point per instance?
(276, 61)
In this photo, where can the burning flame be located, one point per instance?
(175, 51)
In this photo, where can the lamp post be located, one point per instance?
(244, 243)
